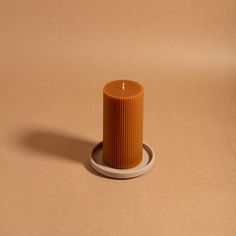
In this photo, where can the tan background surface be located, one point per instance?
(55, 57)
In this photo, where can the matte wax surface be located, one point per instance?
(131, 88)
(122, 124)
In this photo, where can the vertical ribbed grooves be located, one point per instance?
(122, 131)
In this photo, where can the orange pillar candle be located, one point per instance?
(122, 123)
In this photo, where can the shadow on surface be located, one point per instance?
(58, 145)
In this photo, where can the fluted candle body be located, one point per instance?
(122, 124)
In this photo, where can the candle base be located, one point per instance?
(96, 161)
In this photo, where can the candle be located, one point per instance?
(122, 124)
(122, 153)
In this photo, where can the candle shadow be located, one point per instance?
(59, 146)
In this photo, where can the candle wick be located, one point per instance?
(123, 86)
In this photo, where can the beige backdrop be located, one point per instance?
(55, 57)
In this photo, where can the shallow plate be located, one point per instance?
(98, 164)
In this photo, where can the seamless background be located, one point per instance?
(55, 57)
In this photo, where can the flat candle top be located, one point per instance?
(123, 89)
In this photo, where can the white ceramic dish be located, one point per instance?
(98, 164)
